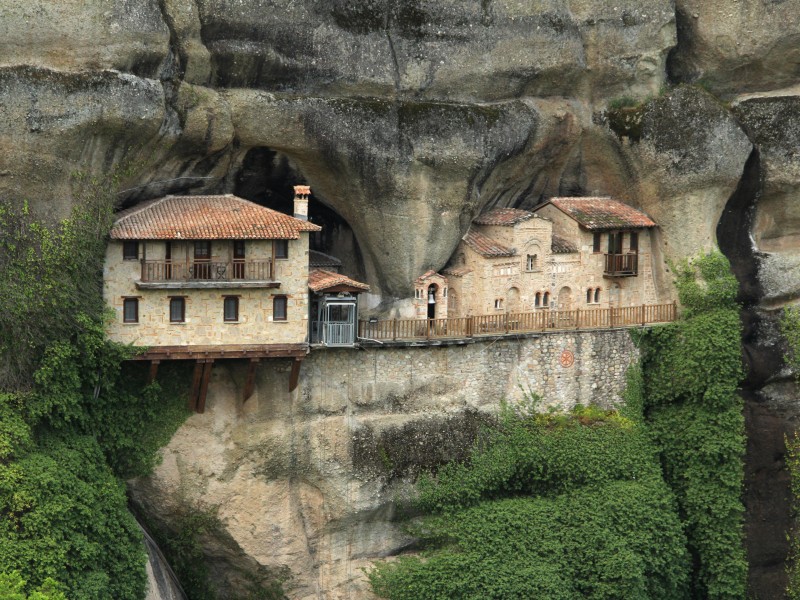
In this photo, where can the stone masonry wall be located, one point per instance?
(306, 483)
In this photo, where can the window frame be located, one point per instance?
(546, 300)
(532, 262)
(597, 242)
(126, 247)
(282, 245)
(134, 300)
(182, 301)
(276, 301)
(235, 301)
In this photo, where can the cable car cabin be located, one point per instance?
(334, 308)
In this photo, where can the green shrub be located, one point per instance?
(547, 507)
(691, 371)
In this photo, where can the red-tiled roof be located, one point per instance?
(456, 271)
(427, 275)
(599, 214)
(486, 246)
(559, 245)
(320, 259)
(507, 217)
(206, 218)
(320, 280)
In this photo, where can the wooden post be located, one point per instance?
(201, 397)
(250, 383)
(394, 329)
(611, 316)
(577, 318)
(196, 376)
(644, 316)
(151, 376)
(294, 376)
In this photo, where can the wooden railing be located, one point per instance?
(622, 265)
(511, 323)
(202, 270)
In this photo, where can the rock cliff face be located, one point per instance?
(408, 117)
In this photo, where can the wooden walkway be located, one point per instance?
(514, 323)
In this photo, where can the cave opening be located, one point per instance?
(267, 177)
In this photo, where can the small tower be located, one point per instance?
(301, 193)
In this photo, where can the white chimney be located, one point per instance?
(301, 193)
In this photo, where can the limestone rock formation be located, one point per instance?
(408, 117)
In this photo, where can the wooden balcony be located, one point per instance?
(168, 274)
(621, 265)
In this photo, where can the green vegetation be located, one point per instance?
(12, 587)
(644, 503)
(790, 328)
(548, 506)
(691, 371)
(72, 421)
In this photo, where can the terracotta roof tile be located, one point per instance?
(559, 245)
(456, 271)
(507, 217)
(206, 218)
(319, 280)
(597, 214)
(427, 275)
(320, 259)
(486, 246)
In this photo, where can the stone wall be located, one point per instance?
(204, 322)
(306, 483)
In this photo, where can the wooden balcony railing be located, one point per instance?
(513, 323)
(622, 265)
(207, 270)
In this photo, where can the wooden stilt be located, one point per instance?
(196, 377)
(151, 377)
(294, 376)
(201, 397)
(250, 384)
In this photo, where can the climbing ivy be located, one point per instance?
(691, 370)
(547, 506)
(73, 421)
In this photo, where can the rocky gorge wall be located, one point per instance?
(409, 117)
(304, 486)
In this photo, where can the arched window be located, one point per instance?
(537, 302)
(597, 296)
(546, 299)
(589, 296)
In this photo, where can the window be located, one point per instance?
(596, 242)
(634, 241)
(130, 250)
(530, 264)
(418, 294)
(279, 308)
(537, 302)
(177, 309)
(444, 293)
(615, 241)
(230, 309)
(281, 248)
(589, 296)
(498, 303)
(546, 299)
(597, 296)
(202, 250)
(130, 310)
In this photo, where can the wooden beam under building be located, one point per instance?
(294, 376)
(196, 377)
(151, 376)
(250, 384)
(201, 397)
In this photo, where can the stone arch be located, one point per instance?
(565, 298)
(512, 300)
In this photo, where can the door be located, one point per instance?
(238, 259)
(202, 260)
(339, 324)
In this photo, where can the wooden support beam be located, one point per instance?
(201, 397)
(196, 377)
(250, 384)
(294, 376)
(151, 376)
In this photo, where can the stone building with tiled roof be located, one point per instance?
(571, 253)
(209, 271)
